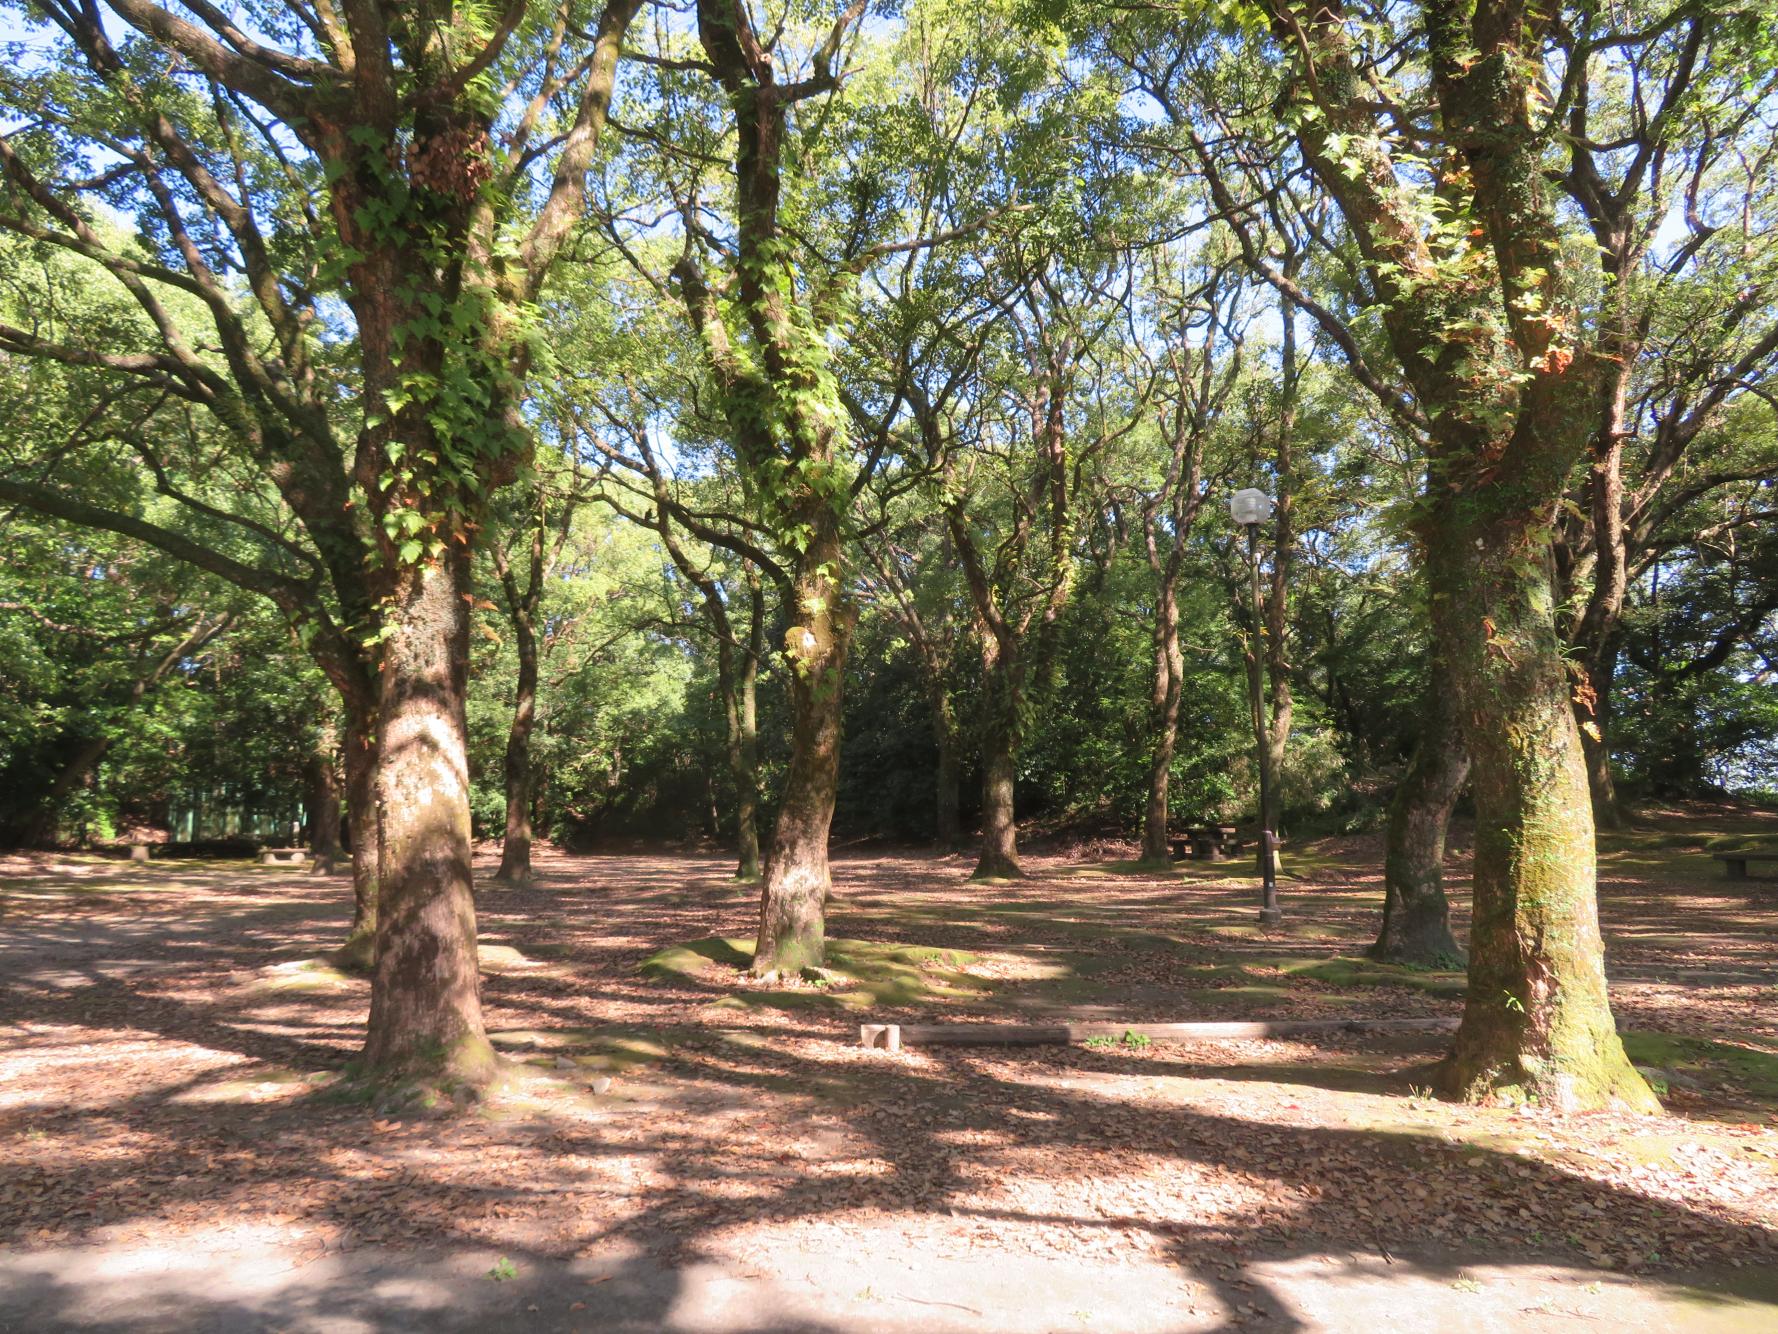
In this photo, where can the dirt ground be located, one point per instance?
(678, 1150)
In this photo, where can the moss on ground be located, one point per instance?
(859, 975)
(1295, 930)
(1346, 972)
(1708, 1061)
(607, 1050)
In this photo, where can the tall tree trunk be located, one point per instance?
(999, 859)
(737, 702)
(792, 908)
(1416, 915)
(362, 827)
(515, 851)
(947, 782)
(425, 1005)
(324, 803)
(1595, 635)
(746, 760)
(1505, 390)
(1595, 734)
(1537, 1021)
(1169, 670)
(42, 828)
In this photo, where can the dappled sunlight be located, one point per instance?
(171, 1080)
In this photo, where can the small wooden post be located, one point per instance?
(886, 1036)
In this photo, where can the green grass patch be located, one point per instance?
(1707, 1061)
(1743, 843)
(1345, 972)
(859, 975)
(608, 1050)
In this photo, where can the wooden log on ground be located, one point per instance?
(891, 1037)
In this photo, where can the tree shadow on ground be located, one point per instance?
(757, 1132)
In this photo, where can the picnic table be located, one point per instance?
(1209, 843)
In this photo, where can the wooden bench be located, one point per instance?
(1735, 863)
(283, 857)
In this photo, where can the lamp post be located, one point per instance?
(1251, 507)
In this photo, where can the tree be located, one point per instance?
(1463, 253)
(1202, 355)
(553, 495)
(768, 263)
(91, 632)
(1013, 503)
(384, 114)
(912, 564)
(1687, 326)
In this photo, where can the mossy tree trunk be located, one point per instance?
(515, 849)
(1169, 669)
(1537, 1019)
(792, 906)
(1594, 720)
(999, 856)
(744, 751)
(324, 800)
(1483, 324)
(426, 1014)
(388, 114)
(359, 760)
(1416, 914)
(523, 601)
(767, 343)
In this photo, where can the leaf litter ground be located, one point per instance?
(170, 1038)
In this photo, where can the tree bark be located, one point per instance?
(360, 762)
(792, 908)
(1505, 390)
(999, 859)
(1537, 1021)
(425, 1009)
(1601, 667)
(1001, 701)
(948, 778)
(324, 804)
(1169, 671)
(1416, 915)
(515, 850)
(745, 754)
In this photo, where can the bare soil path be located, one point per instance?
(177, 1150)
